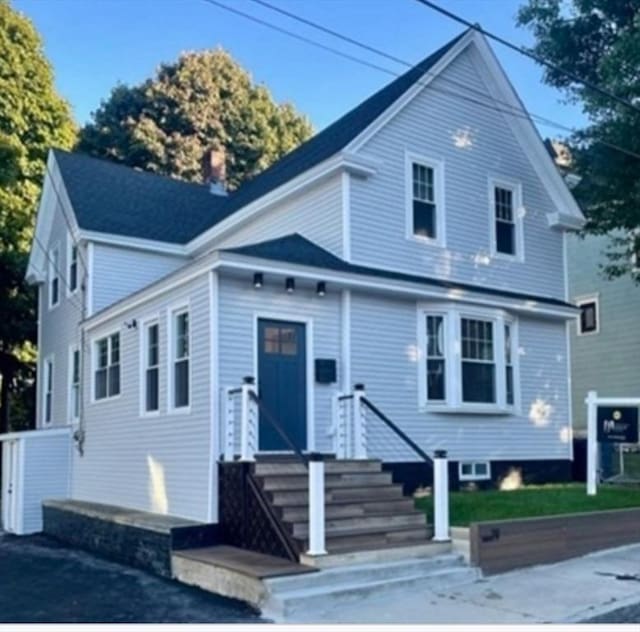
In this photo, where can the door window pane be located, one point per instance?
(288, 341)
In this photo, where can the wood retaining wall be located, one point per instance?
(505, 545)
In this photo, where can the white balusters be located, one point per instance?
(248, 421)
(229, 412)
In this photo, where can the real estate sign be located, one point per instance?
(617, 424)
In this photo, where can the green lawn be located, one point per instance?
(528, 502)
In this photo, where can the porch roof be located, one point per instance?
(299, 250)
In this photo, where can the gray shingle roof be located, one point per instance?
(299, 250)
(111, 198)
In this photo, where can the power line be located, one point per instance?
(512, 110)
(541, 60)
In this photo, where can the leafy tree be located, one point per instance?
(32, 119)
(599, 40)
(205, 100)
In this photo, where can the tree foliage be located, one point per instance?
(205, 100)
(599, 40)
(32, 119)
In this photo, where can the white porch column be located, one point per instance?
(440, 496)
(359, 423)
(592, 443)
(316, 505)
(247, 442)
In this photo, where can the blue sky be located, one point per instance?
(93, 44)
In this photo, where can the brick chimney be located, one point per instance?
(214, 170)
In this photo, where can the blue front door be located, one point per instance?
(282, 382)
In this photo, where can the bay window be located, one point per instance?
(467, 360)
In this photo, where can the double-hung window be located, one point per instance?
(54, 277)
(72, 271)
(74, 384)
(151, 368)
(180, 359)
(107, 367)
(425, 199)
(468, 359)
(47, 412)
(506, 208)
(478, 362)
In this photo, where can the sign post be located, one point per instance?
(609, 420)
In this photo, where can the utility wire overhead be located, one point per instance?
(523, 51)
(511, 110)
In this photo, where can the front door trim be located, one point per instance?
(308, 322)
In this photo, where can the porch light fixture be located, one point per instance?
(258, 280)
(321, 288)
(290, 285)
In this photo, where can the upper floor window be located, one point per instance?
(180, 357)
(72, 260)
(107, 367)
(425, 200)
(469, 359)
(589, 321)
(47, 412)
(54, 277)
(151, 368)
(506, 205)
(74, 384)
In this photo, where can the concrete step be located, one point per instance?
(331, 481)
(368, 539)
(338, 526)
(357, 494)
(275, 468)
(308, 600)
(350, 509)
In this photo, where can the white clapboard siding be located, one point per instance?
(155, 463)
(240, 303)
(119, 271)
(59, 326)
(316, 214)
(384, 343)
(429, 126)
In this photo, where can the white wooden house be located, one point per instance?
(415, 246)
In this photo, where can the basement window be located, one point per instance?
(474, 470)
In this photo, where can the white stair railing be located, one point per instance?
(248, 420)
(357, 425)
(229, 395)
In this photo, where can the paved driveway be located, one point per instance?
(43, 581)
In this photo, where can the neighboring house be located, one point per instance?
(416, 245)
(605, 339)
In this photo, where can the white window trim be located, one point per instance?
(635, 259)
(70, 245)
(518, 211)
(54, 273)
(49, 366)
(172, 313)
(143, 345)
(438, 179)
(453, 315)
(94, 365)
(474, 476)
(583, 300)
(70, 416)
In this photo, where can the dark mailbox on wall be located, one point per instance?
(325, 371)
(618, 424)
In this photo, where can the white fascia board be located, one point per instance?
(343, 161)
(525, 131)
(53, 195)
(408, 96)
(349, 280)
(134, 243)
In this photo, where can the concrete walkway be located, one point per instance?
(572, 591)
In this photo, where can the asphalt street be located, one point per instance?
(42, 581)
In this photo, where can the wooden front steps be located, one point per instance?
(364, 510)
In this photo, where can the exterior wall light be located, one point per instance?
(290, 285)
(258, 280)
(321, 288)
